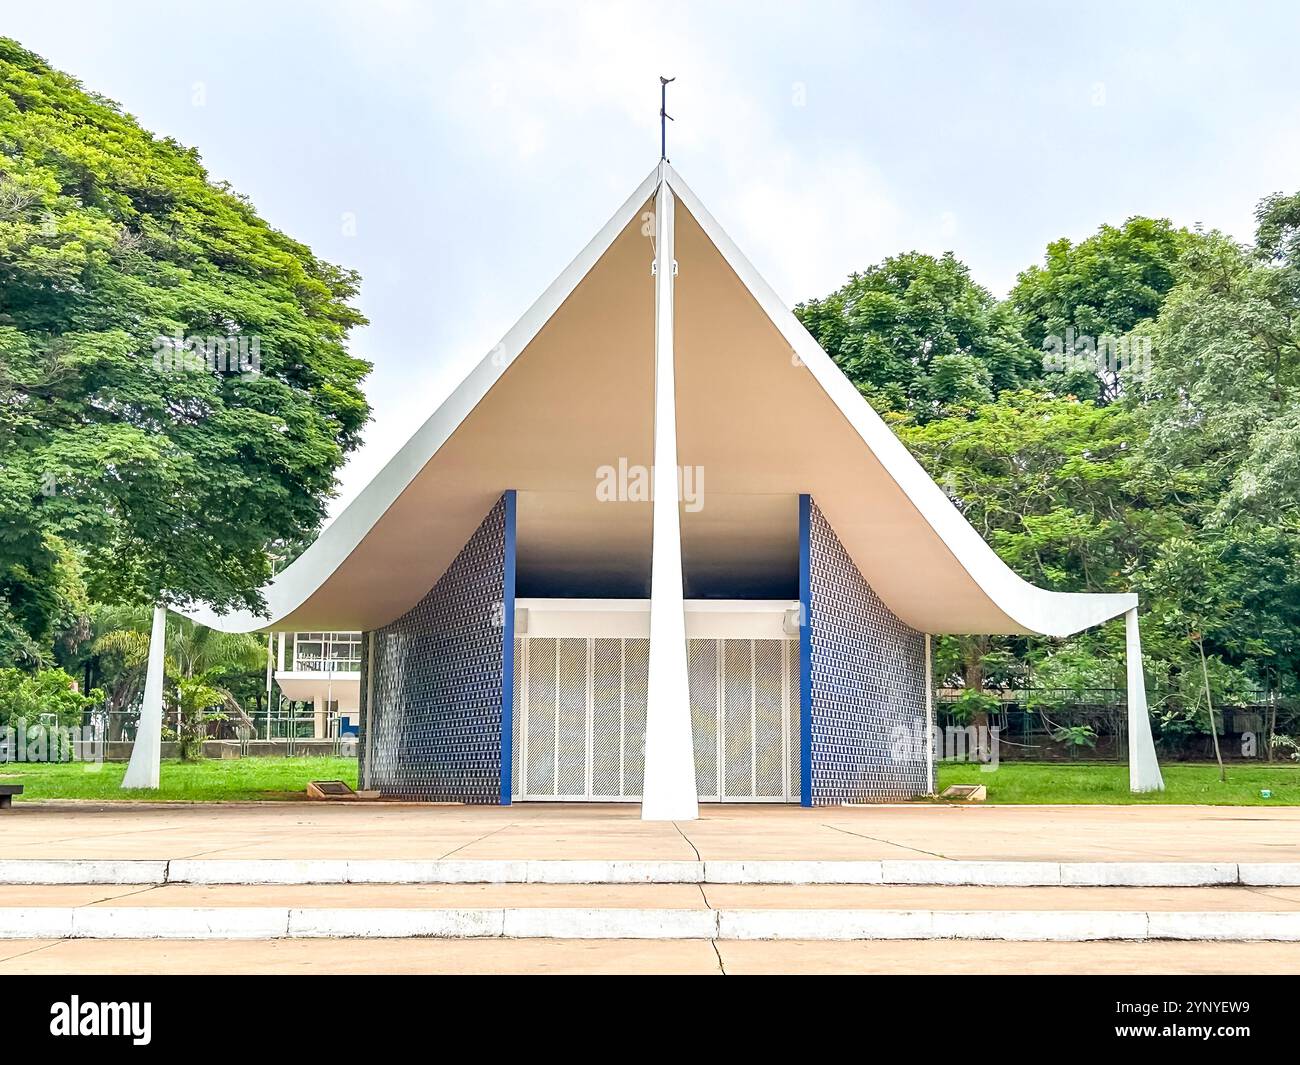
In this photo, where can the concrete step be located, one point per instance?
(649, 911)
(507, 871)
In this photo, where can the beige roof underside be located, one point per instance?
(763, 424)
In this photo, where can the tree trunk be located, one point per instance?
(1272, 712)
(973, 649)
(1209, 706)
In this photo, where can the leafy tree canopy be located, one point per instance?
(1051, 484)
(1103, 286)
(918, 336)
(30, 697)
(1221, 414)
(170, 478)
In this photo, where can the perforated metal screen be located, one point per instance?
(868, 683)
(580, 718)
(433, 682)
(744, 708)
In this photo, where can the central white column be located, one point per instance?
(1143, 769)
(669, 792)
(146, 754)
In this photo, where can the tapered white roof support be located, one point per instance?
(669, 792)
(1143, 769)
(146, 755)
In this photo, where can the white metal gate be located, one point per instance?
(579, 718)
(746, 734)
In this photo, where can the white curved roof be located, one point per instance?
(762, 411)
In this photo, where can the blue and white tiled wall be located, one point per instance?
(437, 693)
(863, 680)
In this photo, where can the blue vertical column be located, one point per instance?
(508, 652)
(805, 650)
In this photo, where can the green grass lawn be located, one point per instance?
(242, 779)
(211, 780)
(1046, 782)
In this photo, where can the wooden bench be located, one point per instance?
(7, 793)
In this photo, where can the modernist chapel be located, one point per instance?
(537, 626)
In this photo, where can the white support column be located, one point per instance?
(146, 754)
(270, 673)
(669, 792)
(1143, 769)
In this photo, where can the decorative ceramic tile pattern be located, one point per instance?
(438, 682)
(868, 684)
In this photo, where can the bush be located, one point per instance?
(973, 704)
(28, 696)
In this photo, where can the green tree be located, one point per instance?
(117, 656)
(31, 696)
(195, 657)
(918, 336)
(1221, 410)
(196, 703)
(171, 474)
(42, 590)
(1104, 286)
(1051, 483)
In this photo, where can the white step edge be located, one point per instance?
(256, 871)
(276, 922)
(964, 873)
(1269, 874)
(1148, 874)
(344, 923)
(1231, 926)
(555, 923)
(36, 871)
(792, 872)
(177, 922)
(81, 871)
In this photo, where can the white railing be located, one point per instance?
(327, 665)
(327, 652)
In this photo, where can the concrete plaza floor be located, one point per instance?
(660, 897)
(906, 833)
(544, 831)
(696, 957)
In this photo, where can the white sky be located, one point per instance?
(459, 155)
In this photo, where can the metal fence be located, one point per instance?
(284, 720)
(1091, 724)
(1032, 725)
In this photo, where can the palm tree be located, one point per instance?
(195, 658)
(195, 649)
(199, 657)
(119, 655)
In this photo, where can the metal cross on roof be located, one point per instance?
(664, 116)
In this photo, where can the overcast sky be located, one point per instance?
(459, 155)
